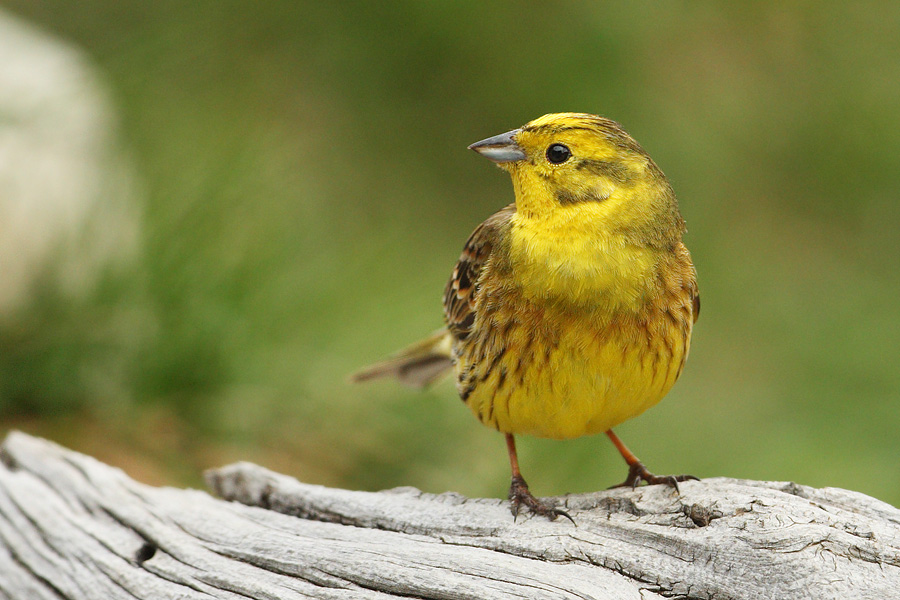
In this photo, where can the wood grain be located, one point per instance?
(72, 527)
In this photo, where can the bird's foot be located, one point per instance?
(520, 496)
(637, 473)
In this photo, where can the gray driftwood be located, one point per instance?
(72, 527)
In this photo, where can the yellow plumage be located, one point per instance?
(571, 310)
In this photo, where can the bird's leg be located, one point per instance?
(520, 495)
(637, 472)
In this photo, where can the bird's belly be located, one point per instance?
(579, 379)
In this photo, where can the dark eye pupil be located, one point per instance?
(558, 153)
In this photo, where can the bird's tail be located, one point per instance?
(418, 365)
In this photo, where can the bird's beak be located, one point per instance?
(500, 148)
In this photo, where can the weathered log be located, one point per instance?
(72, 527)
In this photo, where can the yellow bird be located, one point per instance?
(569, 311)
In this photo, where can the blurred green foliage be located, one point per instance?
(308, 190)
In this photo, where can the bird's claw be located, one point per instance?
(520, 495)
(637, 473)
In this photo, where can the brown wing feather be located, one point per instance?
(461, 293)
(696, 304)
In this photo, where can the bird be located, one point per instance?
(570, 310)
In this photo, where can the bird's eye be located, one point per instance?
(558, 153)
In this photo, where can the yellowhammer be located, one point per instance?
(569, 311)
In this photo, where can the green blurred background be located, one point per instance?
(306, 189)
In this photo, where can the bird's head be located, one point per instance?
(584, 167)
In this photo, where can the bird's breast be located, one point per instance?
(579, 264)
(556, 373)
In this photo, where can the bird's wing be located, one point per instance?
(461, 293)
(692, 289)
(696, 300)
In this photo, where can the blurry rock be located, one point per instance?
(68, 205)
